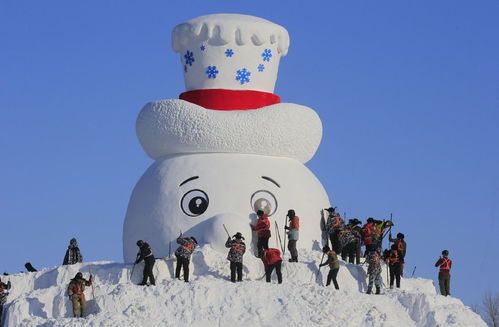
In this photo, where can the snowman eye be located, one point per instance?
(194, 203)
(265, 201)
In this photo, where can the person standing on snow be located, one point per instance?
(73, 254)
(293, 234)
(401, 247)
(272, 259)
(334, 226)
(4, 292)
(445, 264)
(374, 271)
(183, 254)
(76, 294)
(263, 231)
(394, 261)
(149, 260)
(235, 256)
(367, 233)
(334, 266)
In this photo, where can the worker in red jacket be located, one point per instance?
(272, 259)
(445, 264)
(262, 229)
(367, 232)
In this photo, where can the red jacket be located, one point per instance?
(270, 257)
(445, 265)
(262, 226)
(367, 231)
(294, 223)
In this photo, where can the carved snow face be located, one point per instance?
(199, 193)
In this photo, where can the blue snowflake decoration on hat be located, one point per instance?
(261, 68)
(229, 53)
(267, 54)
(242, 75)
(202, 47)
(211, 71)
(189, 58)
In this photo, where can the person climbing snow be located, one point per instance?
(394, 261)
(379, 228)
(272, 260)
(334, 266)
(76, 294)
(235, 256)
(73, 254)
(145, 253)
(367, 233)
(334, 226)
(4, 292)
(183, 254)
(351, 239)
(401, 247)
(293, 234)
(445, 264)
(262, 229)
(374, 271)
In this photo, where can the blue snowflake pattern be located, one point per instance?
(189, 58)
(242, 75)
(261, 67)
(202, 47)
(229, 53)
(212, 71)
(267, 54)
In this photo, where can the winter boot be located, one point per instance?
(369, 291)
(378, 290)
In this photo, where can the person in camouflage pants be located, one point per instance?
(373, 259)
(235, 256)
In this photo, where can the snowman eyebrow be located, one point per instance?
(188, 180)
(271, 180)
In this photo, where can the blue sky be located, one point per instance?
(408, 93)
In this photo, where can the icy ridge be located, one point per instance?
(39, 299)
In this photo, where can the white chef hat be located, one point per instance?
(230, 51)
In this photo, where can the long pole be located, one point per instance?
(93, 292)
(279, 236)
(226, 230)
(285, 224)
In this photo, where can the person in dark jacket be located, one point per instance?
(335, 226)
(149, 260)
(272, 259)
(293, 234)
(394, 261)
(445, 264)
(235, 256)
(400, 243)
(262, 229)
(183, 254)
(76, 294)
(334, 266)
(4, 292)
(353, 241)
(73, 254)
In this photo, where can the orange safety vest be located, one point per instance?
(189, 247)
(394, 259)
(237, 247)
(401, 246)
(446, 264)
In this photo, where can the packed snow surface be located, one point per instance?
(210, 299)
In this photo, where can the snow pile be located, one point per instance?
(39, 299)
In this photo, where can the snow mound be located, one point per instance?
(39, 299)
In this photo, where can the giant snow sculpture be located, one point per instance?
(227, 147)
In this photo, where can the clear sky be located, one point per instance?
(408, 93)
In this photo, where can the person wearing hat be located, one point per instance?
(394, 261)
(334, 266)
(367, 233)
(335, 226)
(262, 229)
(183, 254)
(400, 243)
(351, 249)
(293, 234)
(149, 260)
(445, 264)
(76, 289)
(235, 256)
(4, 292)
(73, 254)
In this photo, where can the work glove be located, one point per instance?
(286, 227)
(136, 261)
(228, 238)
